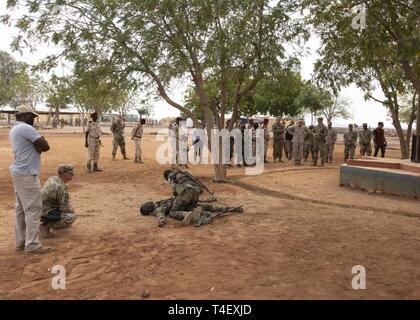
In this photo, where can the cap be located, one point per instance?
(25, 108)
(63, 168)
(364, 124)
(321, 118)
(94, 114)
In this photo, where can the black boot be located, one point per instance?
(95, 167)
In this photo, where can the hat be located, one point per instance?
(321, 118)
(94, 114)
(63, 168)
(364, 125)
(25, 108)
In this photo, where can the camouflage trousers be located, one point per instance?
(308, 149)
(330, 151)
(365, 149)
(137, 144)
(118, 141)
(186, 200)
(56, 219)
(349, 151)
(93, 151)
(297, 151)
(278, 146)
(320, 147)
(289, 148)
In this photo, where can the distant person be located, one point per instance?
(350, 139)
(365, 140)
(117, 129)
(57, 212)
(309, 141)
(93, 143)
(379, 140)
(278, 129)
(330, 142)
(198, 143)
(266, 138)
(136, 136)
(27, 146)
(298, 131)
(320, 132)
(289, 143)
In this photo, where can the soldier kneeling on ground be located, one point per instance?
(203, 213)
(57, 212)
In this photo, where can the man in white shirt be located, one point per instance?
(27, 145)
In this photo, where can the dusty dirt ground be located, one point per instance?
(299, 237)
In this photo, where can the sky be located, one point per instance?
(369, 111)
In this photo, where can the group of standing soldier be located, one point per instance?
(93, 140)
(298, 141)
(365, 137)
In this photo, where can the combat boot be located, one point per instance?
(193, 216)
(113, 157)
(125, 157)
(95, 167)
(89, 167)
(315, 163)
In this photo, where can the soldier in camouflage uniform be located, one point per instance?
(199, 216)
(93, 143)
(298, 131)
(309, 141)
(266, 138)
(117, 129)
(365, 139)
(320, 132)
(278, 140)
(57, 212)
(350, 138)
(331, 139)
(289, 143)
(136, 135)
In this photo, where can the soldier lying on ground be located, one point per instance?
(202, 214)
(57, 212)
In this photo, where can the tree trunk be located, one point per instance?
(405, 152)
(416, 156)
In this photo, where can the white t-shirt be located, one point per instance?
(27, 159)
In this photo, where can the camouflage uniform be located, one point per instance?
(163, 209)
(331, 139)
(266, 140)
(365, 138)
(289, 144)
(309, 141)
(350, 138)
(321, 131)
(136, 135)
(186, 191)
(117, 129)
(56, 199)
(298, 133)
(278, 141)
(94, 142)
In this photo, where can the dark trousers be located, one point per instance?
(377, 147)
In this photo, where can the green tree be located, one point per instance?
(157, 42)
(384, 53)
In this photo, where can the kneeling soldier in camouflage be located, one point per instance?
(57, 213)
